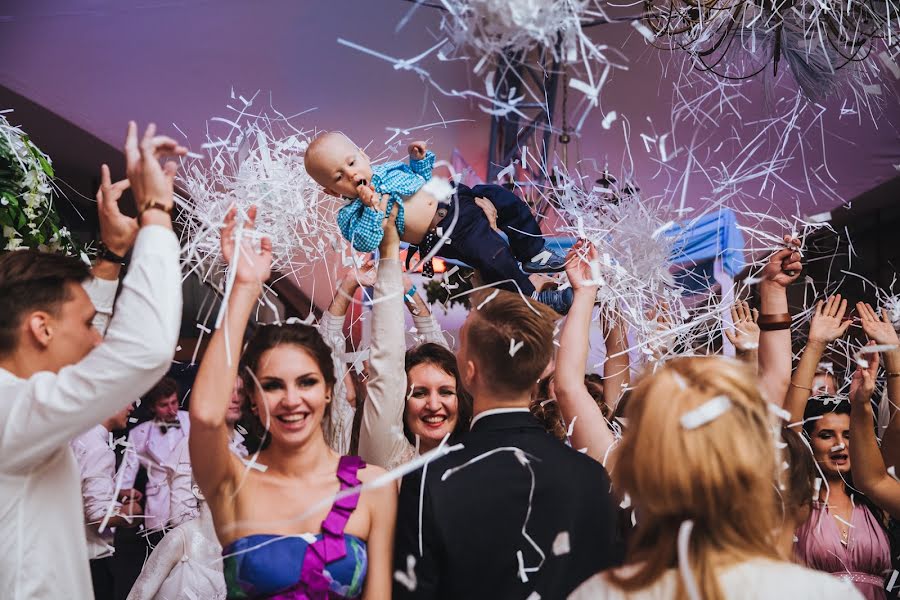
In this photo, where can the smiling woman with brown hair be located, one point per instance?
(278, 534)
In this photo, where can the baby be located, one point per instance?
(344, 170)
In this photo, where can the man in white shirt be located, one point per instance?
(183, 501)
(102, 507)
(151, 445)
(57, 379)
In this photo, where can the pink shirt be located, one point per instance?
(864, 560)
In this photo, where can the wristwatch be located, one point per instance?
(156, 205)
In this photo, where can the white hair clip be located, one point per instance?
(708, 411)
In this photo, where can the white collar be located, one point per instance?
(8, 376)
(497, 411)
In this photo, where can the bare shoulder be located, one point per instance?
(383, 494)
(370, 473)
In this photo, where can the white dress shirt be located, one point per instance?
(97, 463)
(184, 504)
(155, 450)
(41, 513)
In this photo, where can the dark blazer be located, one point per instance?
(476, 523)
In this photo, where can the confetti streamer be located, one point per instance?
(257, 160)
(706, 413)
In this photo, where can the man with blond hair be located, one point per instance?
(515, 513)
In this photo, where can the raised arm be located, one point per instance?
(827, 324)
(428, 330)
(140, 340)
(216, 469)
(331, 326)
(869, 473)
(381, 441)
(775, 356)
(617, 366)
(881, 331)
(421, 160)
(591, 429)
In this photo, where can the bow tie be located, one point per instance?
(165, 426)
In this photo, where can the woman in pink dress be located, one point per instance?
(843, 535)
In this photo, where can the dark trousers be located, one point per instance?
(102, 578)
(476, 244)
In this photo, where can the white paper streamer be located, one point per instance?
(707, 412)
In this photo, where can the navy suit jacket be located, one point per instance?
(532, 516)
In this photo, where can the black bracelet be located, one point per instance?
(108, 255)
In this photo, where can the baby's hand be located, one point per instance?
(367, 195)
(417, 150)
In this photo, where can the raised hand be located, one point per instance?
(784, 265)
(364, 276)
(253, 267)
(745, 335)
(828, 322)
(863, 384)
(151, 182)
(391, 240)
(578, 266)
(117, 231)
(417, 150)
(881, 331)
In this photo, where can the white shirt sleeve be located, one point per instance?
(102, 293)
(381, 440)
(428, 330)
(340, 422)
(52, 408)
(97, 463)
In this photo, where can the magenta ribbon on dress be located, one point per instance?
(313, 583)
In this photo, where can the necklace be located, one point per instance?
(843, 528)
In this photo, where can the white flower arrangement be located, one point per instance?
(28, 217)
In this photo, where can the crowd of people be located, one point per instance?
(500, 470)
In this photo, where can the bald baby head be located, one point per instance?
(337, 164)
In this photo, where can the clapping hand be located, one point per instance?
(151, 182)
(117, 232)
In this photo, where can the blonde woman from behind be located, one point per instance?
(700, 465)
